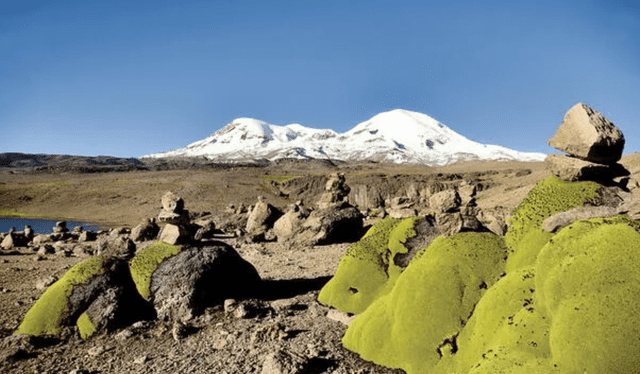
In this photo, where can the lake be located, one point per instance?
(41, 226)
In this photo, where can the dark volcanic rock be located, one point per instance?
(185, 284)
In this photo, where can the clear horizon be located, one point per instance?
(126, 79)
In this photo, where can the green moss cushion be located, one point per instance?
(506, 333)
(370, 267)
(417, 323)
(147, 260)
(52, 310)
(588, 283)
(525, 236)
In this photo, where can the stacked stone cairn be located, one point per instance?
(175, 218)
(335, 220)
(594, 146)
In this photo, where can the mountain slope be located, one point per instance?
(397, 136)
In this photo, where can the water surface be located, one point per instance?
(41, 226)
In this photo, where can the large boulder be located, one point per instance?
(336, 225)
(101, 280)
(574, 169)
(587, 134)
(182, 281)
(261, 218)
(290, 224)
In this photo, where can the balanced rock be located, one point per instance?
(587, 134)
(173, 211)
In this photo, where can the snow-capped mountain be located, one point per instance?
(397, 136)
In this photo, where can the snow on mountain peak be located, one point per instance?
(395, 136)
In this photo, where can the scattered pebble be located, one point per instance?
(96, 351)
(123, 335)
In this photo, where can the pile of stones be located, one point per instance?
(176, 219)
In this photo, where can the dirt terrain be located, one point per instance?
(124, 198)
(288, 331)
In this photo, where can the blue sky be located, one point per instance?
(127, 78)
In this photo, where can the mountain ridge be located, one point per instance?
(397, 136)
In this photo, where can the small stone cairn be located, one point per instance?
(176, 219)
(336, 192)
(594, 146)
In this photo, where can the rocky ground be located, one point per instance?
(286, 331)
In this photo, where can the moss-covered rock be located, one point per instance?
(418, 322)
(372, 265)
(52, 310)
(146, 262)
(525, 236)
(96, 294)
